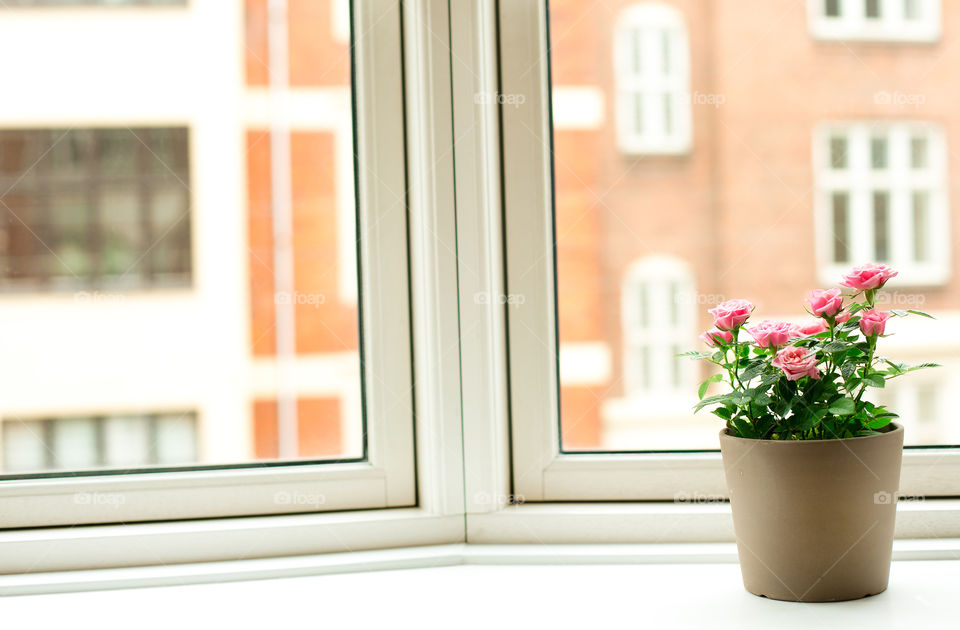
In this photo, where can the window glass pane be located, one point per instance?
(881, 226)
(918, 152)
(75, 443)
(638, 126)
(838, 152)
(841, 227)
(878, 152)
(805, 171)
(636, 38)
(178, 254)
(912, 9)
(921, 227)
(127, 440)
(24, 445)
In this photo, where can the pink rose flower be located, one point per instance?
(796, 363)
(825, 302)
(842, 318)
(710, 337)
(873, 322)
(869, 276)
(731, 314)
(773, 334)
(814, 327)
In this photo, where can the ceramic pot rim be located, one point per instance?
(897, 427)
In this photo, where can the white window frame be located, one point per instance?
(386, 478)
(461, 384)
(859, 180)
(892, 26)
(541, 472)
(655, 275)
(652, 23)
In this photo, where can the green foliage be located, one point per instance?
(761, 402)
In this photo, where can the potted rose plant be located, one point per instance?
(812, 466)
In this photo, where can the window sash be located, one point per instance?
(900, 180)
(387, 477)
(541, 472)
(894, 22)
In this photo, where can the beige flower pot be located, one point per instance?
(814, 519)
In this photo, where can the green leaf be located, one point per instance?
(879, 423)
(752, 371)
(769, 379)
(761, 399)
(744, 428)
(847, 369)
(704, 385)
(723, 412)
(874, 380)
(694, 354)
(835, 346)
(713, 400)
(921, 313)
(842, 407)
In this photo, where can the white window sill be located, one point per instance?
(656, 586)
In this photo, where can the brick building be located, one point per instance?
(180, 266)
(710, 150)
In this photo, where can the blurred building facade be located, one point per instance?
(712, 150)
(141, 257)
(174, 291)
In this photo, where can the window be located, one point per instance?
(84, 443)
(94, 209)
(875, 20)
(752, 214)
(658, 322)
(652, 67)
(92, 3)
(888, 180)
(221, 232)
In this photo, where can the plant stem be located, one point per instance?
(872, 340)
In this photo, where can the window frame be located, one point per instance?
(40, 184)
(857, 179)
(386, 478)
(541, 471)
(462, 386)
(852, 24)
(670, 23)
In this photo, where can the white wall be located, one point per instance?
(150, 350)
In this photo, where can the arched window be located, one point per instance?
(659, 321)
(652, 73)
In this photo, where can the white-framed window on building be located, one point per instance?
(219, 254)
(875, 20)
(881, 196)
(652, 73)
(658, 324)
(78, 443)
